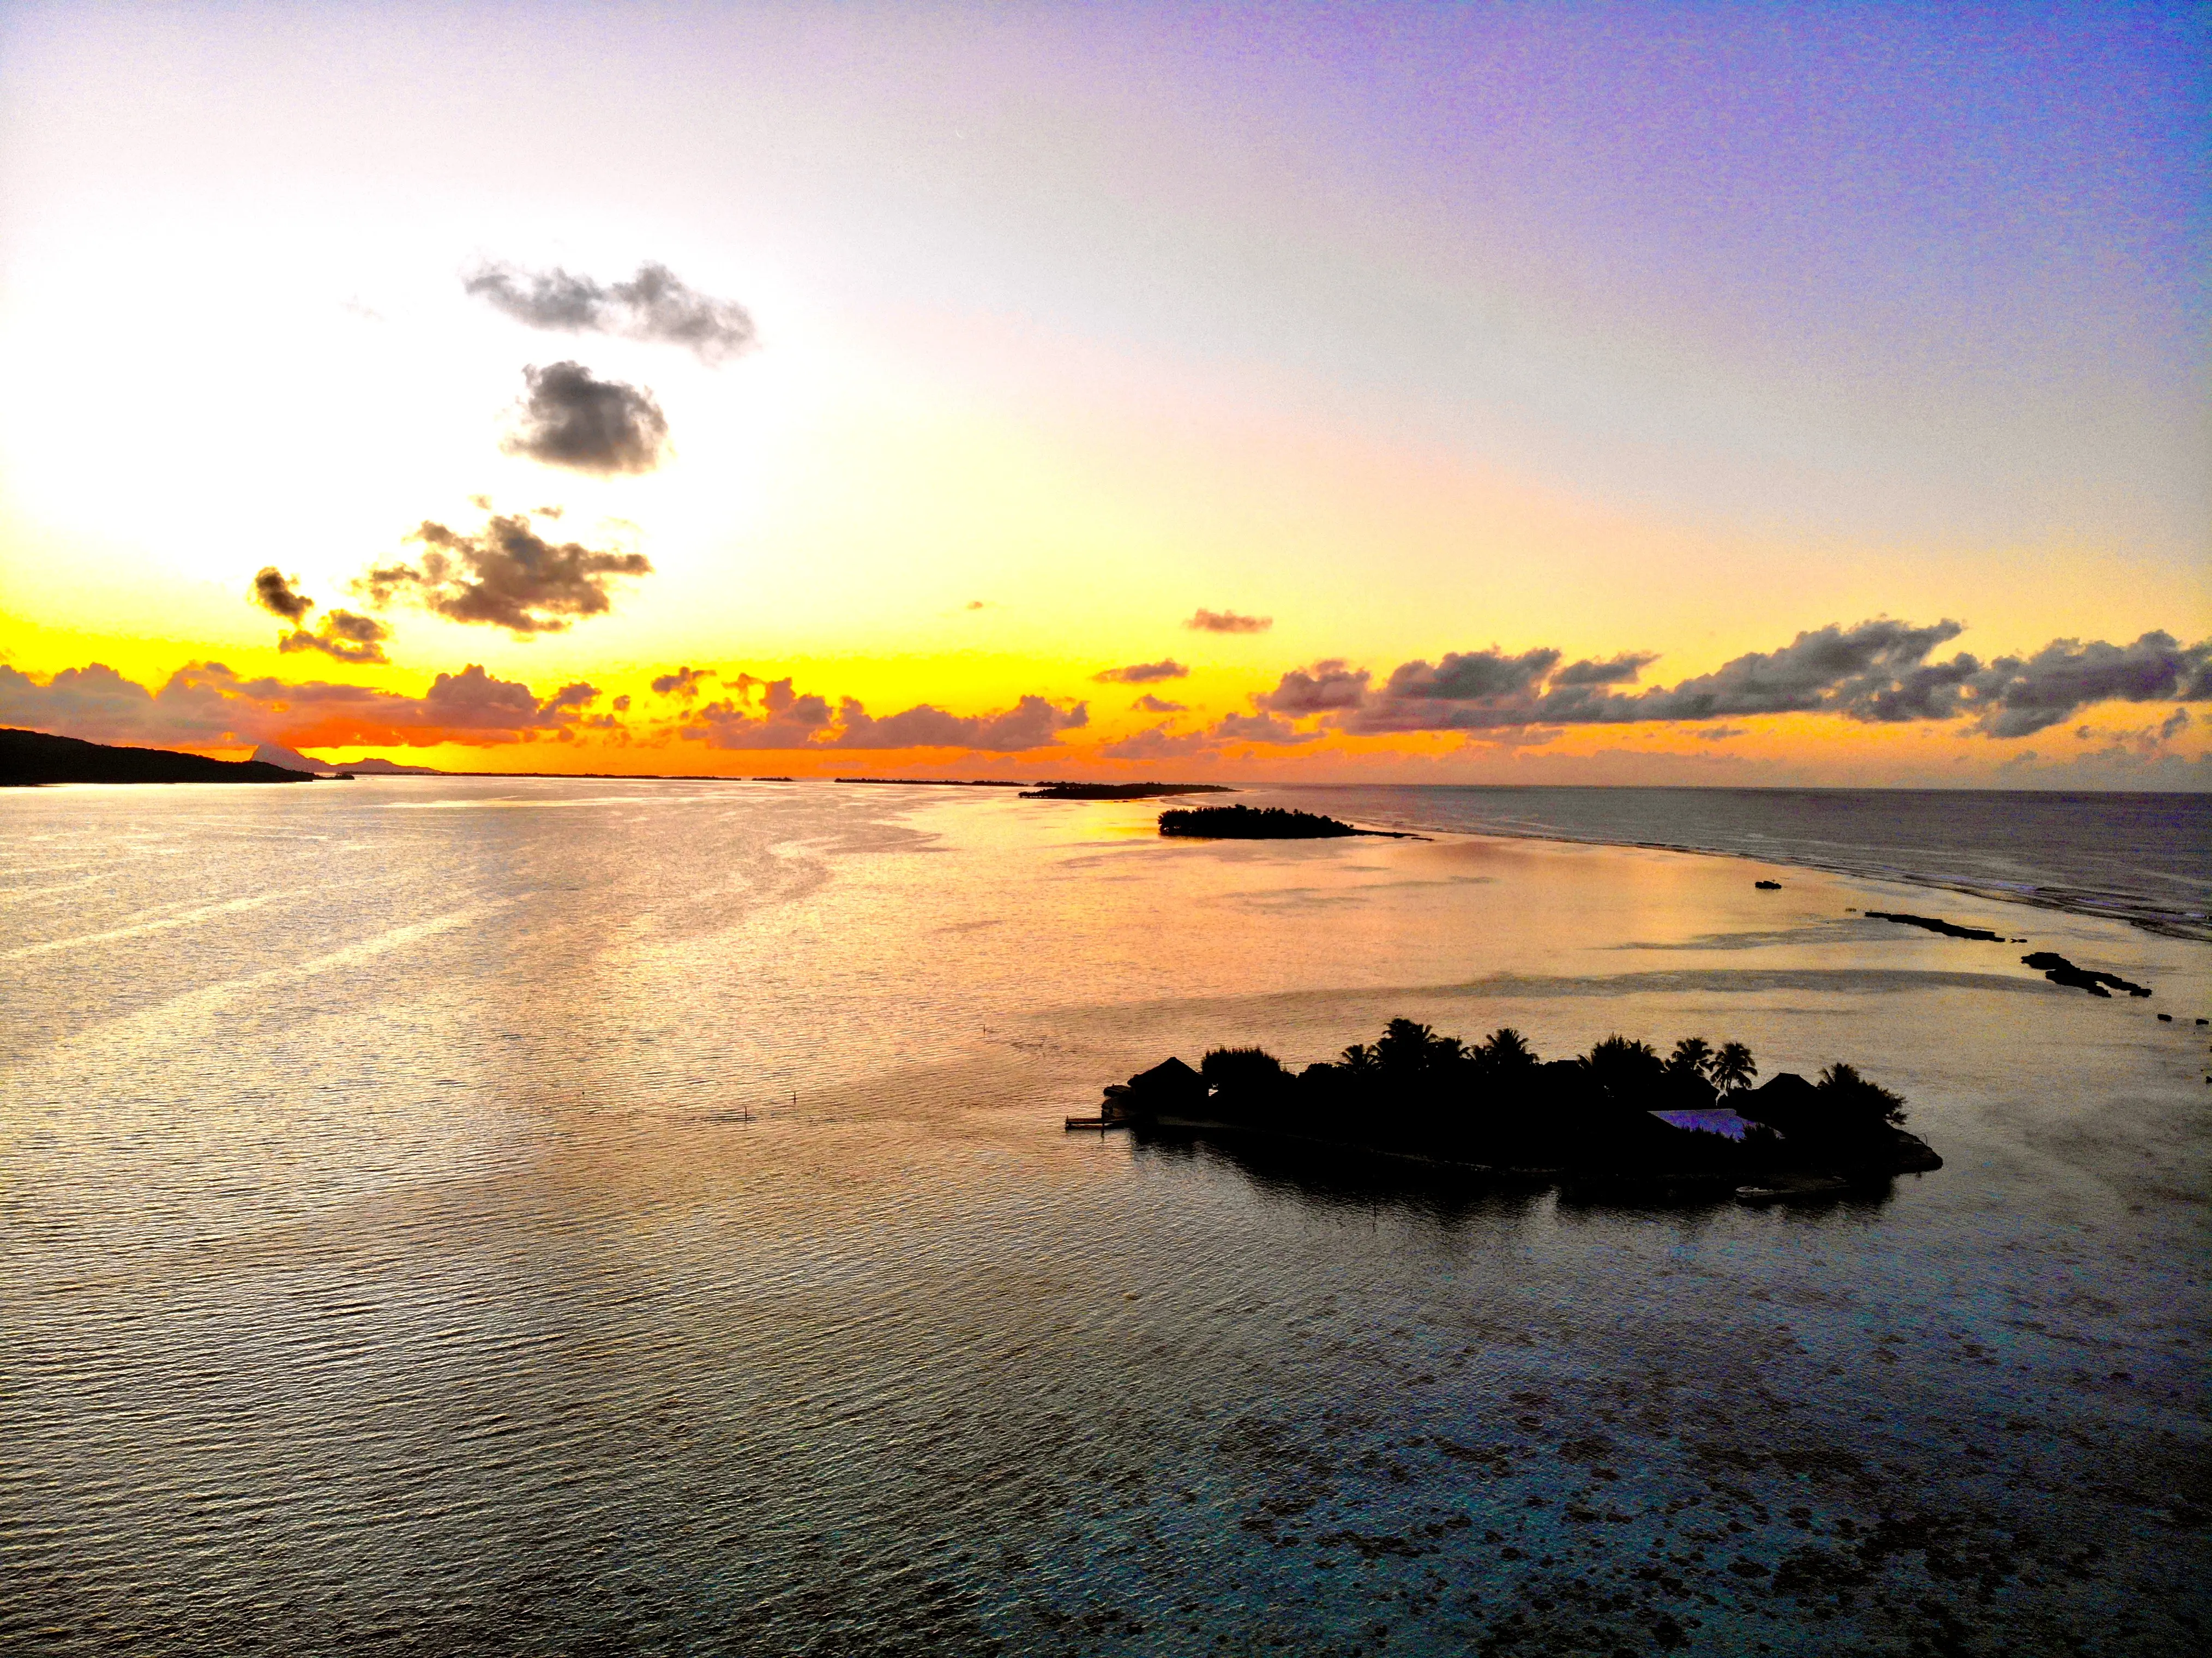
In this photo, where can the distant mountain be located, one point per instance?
(370, 766)
(275, 754)
(32, 757)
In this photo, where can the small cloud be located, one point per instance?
(361, 313)
(1259, 728)
(1144, 673)
(1720, 733)
(1150, 704)
(685, 683)
(277, 593)
(344, 636)
(506, 575)
(654, 305)
(1324, 688)
(568, 418)
(978, 604)
(1228, 621)
(1620, 670)
(1161, 742)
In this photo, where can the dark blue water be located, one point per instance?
(2143, 857)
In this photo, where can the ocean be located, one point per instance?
(539, 1216)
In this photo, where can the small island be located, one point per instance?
(1260, 823)
(1620, 1113)
(1119, 791)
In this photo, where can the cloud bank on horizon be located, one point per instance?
(1878, 672)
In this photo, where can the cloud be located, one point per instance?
(773, 714)
(1876, 673)
(685, 683)
(344, 635)
(654, 305)
(1032, 723)
(1621, 669)
(206, 705)
(978, 604)
(1228, 621)
(569, 419)
(274, 592)
(784, 718)
(506, 575)
(1873, 671)
(1150, 704)
(1259, 728)
(1325, 687)
(1161, 742)
(1144, 673)
(2016, 696)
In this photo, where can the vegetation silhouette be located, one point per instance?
(29, 759)
(1260, 823)
(1621, 1112)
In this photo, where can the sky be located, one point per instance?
(1731, 394)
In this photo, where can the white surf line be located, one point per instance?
(188, 919)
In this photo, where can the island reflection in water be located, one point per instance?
(474, 1215)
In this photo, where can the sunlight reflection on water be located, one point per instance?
(649, 1228)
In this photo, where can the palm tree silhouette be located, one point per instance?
(1692, 1056)
(1731, 1068)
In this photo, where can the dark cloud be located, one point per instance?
(207, 705)
(771, 714)
(1621, 669)
(1872, 672)
(567, 418)
(1144, 673)
(2015, 696)
(1325, 687)
(1150, 704)
(1877, 672)
(506, 575)
(1228, 621)
(654, 305)
(274, 592)
(685, 683)
(344, 635)
(1032, 723)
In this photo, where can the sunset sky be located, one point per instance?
(1518, 393)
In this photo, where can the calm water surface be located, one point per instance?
(459, 1216)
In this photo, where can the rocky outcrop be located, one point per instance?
(2060, 971)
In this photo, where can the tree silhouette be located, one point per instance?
(1691, 1057)
(1731, 1068)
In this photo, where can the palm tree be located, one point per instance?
(1692, 1056)
(1358, 1060)
(1506, 1049)
(1404, 1045)
(1731, 1068)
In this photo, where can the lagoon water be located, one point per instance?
(524, 1216)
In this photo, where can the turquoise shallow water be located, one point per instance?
(471, 1216)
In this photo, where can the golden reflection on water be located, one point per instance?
(635, 1216)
